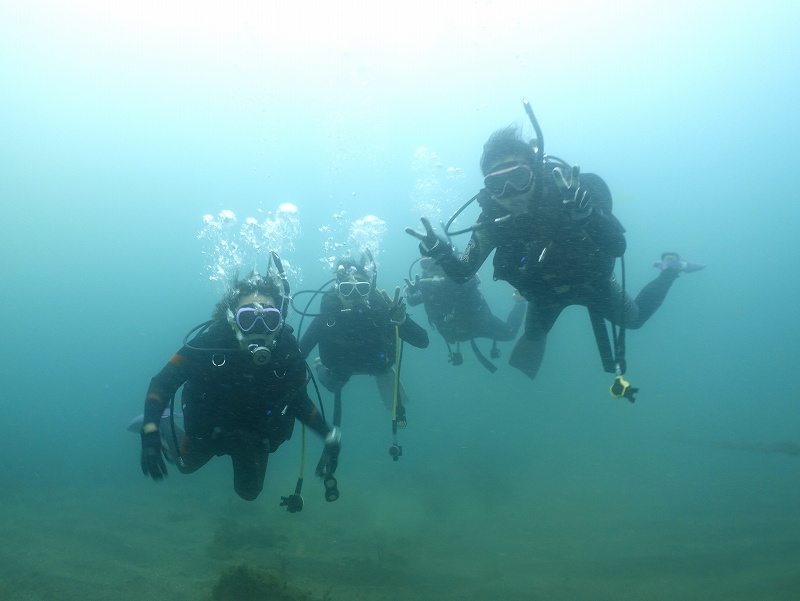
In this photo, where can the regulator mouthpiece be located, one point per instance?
(261, 354)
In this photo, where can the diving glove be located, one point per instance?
(397, 307)
(412, 287)
(152, 458)
(430, 245)
(577, 199)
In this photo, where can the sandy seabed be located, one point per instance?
(187, 539)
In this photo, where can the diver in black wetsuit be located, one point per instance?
(244, 384)
(555, 240)
(358, 330)
(459, 312)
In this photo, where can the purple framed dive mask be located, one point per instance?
(249, 316)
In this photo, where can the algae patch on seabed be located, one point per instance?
(243, 583)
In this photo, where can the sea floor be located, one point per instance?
(190, 539)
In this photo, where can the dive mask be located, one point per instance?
(510, 179)
(257, 319)
(348, 289)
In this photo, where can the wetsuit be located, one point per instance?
(459, 312)
(359, 340)
(555, 260)
(232, 406)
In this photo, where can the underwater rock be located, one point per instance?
(243, 583)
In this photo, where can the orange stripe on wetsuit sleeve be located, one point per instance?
(177, 359)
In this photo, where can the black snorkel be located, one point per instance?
(538, 142)
(371, 260)
(287, 291)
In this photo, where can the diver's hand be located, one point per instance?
(397, 307)
(430, 244)
(412, 287)
(152, 458)
(577, 199)
(413, 291)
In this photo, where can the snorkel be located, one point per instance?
(538, 142)
(371, 268)
(287, 291)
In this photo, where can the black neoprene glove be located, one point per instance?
(430, 245)
(576, 199)
(412, 288)
(152, 457)
(396, 306)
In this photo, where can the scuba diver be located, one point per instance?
(556, 241)
(244, 384)
(460, 313)
(359, 330)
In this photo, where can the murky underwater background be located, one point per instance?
(122, 125)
